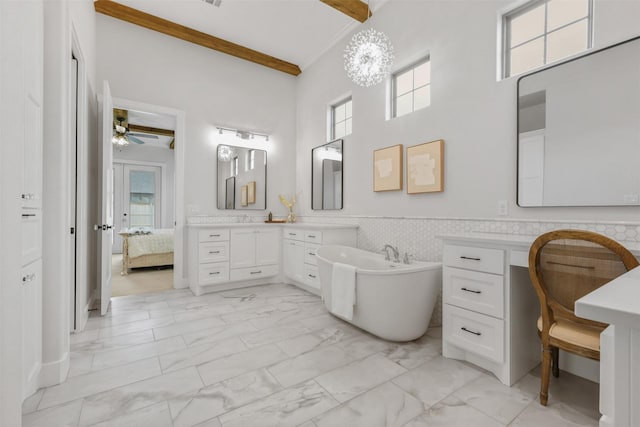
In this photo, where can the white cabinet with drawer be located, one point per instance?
(220, 257)
(299, 252)
(489, 310)
(254, 247)
(208, 258)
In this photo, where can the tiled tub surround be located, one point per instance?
(271, 356)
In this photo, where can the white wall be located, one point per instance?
(470, 110)
(213, 89)
(155, 155)
(62, 18)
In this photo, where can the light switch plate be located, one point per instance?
(503, 209)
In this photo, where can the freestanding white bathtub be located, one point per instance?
(394, 301)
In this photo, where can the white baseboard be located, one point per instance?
(55, 372)
(33, 382)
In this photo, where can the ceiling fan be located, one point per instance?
(122, 135)
(125, 133)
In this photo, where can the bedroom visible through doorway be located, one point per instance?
(144, 200)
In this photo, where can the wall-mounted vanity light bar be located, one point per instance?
(243, 134)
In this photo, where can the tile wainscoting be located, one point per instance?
(418, 235)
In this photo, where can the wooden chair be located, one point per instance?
(565, 265)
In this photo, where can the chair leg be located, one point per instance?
(544, 375)
(555, 353)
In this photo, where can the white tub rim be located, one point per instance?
(395, 268)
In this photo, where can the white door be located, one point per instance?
(242, 248)
(105, 227)
(267, 247)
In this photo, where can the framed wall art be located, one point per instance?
(387, 168)
(251, 192)
(425, 167)
(243, 196)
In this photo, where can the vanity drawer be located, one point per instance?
(476, 333)
(212, 273)
(311, 276)
(214, 252)
(310, 250)
(253, 272)
(475, 291)
(293, 234)
(472, 258)
(215, 235)
(313, 236)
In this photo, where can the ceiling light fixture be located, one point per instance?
(120, 140)
(242, 134)
(225, 153)
(368, 57)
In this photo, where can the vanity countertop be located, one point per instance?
(615, 303)
(521, 240)
(297, 225)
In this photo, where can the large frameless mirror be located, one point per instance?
(326, 176)
(579, 132)
(242, 178)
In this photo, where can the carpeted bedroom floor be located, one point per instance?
(139, 280)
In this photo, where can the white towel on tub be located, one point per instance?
(343, 290)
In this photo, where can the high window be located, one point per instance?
(341, 121)
(544, 31)
(411, 88)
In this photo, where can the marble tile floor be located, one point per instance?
(272, 356)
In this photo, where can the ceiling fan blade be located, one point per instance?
(144, 135)
(134, 139)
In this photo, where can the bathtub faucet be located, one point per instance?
(396, 254)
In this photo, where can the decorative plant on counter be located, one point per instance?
(289, 204)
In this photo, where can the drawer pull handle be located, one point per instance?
(471, 332)
(292, 234)
(214, 252)
(213, 273)
(28, 215)
(470, 258)
(311, 253)
(312, 276)
(256, 272)
(471, 290)
(587, 267)
(214, 235)
(311, 236)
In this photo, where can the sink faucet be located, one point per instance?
(396, 254)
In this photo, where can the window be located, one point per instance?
(234, 166)
(545, 31)
(142, 193)
(341, 122)
(412, 88)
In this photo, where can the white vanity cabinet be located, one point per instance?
(300, 245)
(222, 257)
(489, 308)
(255, 253)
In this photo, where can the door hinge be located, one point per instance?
(73, 230)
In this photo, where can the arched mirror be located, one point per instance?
(242, 178)
(326, 176)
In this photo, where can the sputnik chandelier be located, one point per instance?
(368, 57)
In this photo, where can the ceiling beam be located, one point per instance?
(356, 9)
(161, 25)
(151, 130)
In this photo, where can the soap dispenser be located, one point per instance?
(270, 217)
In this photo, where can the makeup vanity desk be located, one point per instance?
(490, 311)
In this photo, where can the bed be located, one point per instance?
(146, 248)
